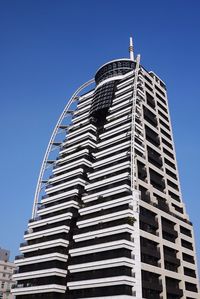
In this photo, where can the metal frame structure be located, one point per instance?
(133, 164)
(51, 145)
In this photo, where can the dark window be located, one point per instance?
(174, 196)
(191, 287)
(172, 174)
(186, 244)
(150, 100)
(185, 231)
(160, 90)
(157, 180)
(189, 272)
(188, 258)
(147, 78)
(164, 124)
(171, 184)
(169, 163)
(148, 87)
(163, 115)
(161, 99)
(167, 143)
(166, 134)
(162, 107)
(178, 209)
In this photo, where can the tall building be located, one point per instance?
(111, 222)
(6, 272)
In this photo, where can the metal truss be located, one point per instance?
(46, 163)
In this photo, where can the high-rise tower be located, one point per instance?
(110, 222)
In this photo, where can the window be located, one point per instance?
(162, 107)
(174, 196)
(167, 143)
(148, 79)
(168, 153)
(161, 99)
(191, 287)
(162, 93)
(186, 244)
(185, 231)
(169, 163)
(178, 209)
(148, 87)
(172, 174)
(165, 133)
(164, 124)
(171, 184)
(163, 115)
(150, 100)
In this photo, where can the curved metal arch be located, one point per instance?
(133, 121)
(50, 145)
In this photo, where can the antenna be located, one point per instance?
(131, 49)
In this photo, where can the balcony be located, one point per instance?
(108, 181)
(151, 250)
(29, 288)
(78, 139)
(152, 285)
(40, 273)
(101, 282)
(21, 260)
(46, 232)
(24, 247)
(150, 117)
(119, 106)
(149, 220)
(106, 218)
(162, 205)
(106, 205)
(109, 170)
(118, 138)
(169, 229)
(112, 149)
(75, 156)
(59, 196)
(108, 231)
(157, 180)
(115, 131)
(57, 207)
(102, 264)
(120, 120)
(172, 259)
(152, 136)
(81, 130)
(45, 221)
(76, 172)
(172, 290)
(154, 158)
(119, 114)
(19, 257)
(102, 247)
(81, 117)
(106, 193)
(65, 185)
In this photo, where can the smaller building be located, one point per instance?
(6, 273)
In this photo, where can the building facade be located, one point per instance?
(111, 222)
(6, 272)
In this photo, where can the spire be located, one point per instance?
(131, 49)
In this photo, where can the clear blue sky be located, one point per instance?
(48, 48)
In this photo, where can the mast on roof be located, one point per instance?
(131, 50)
